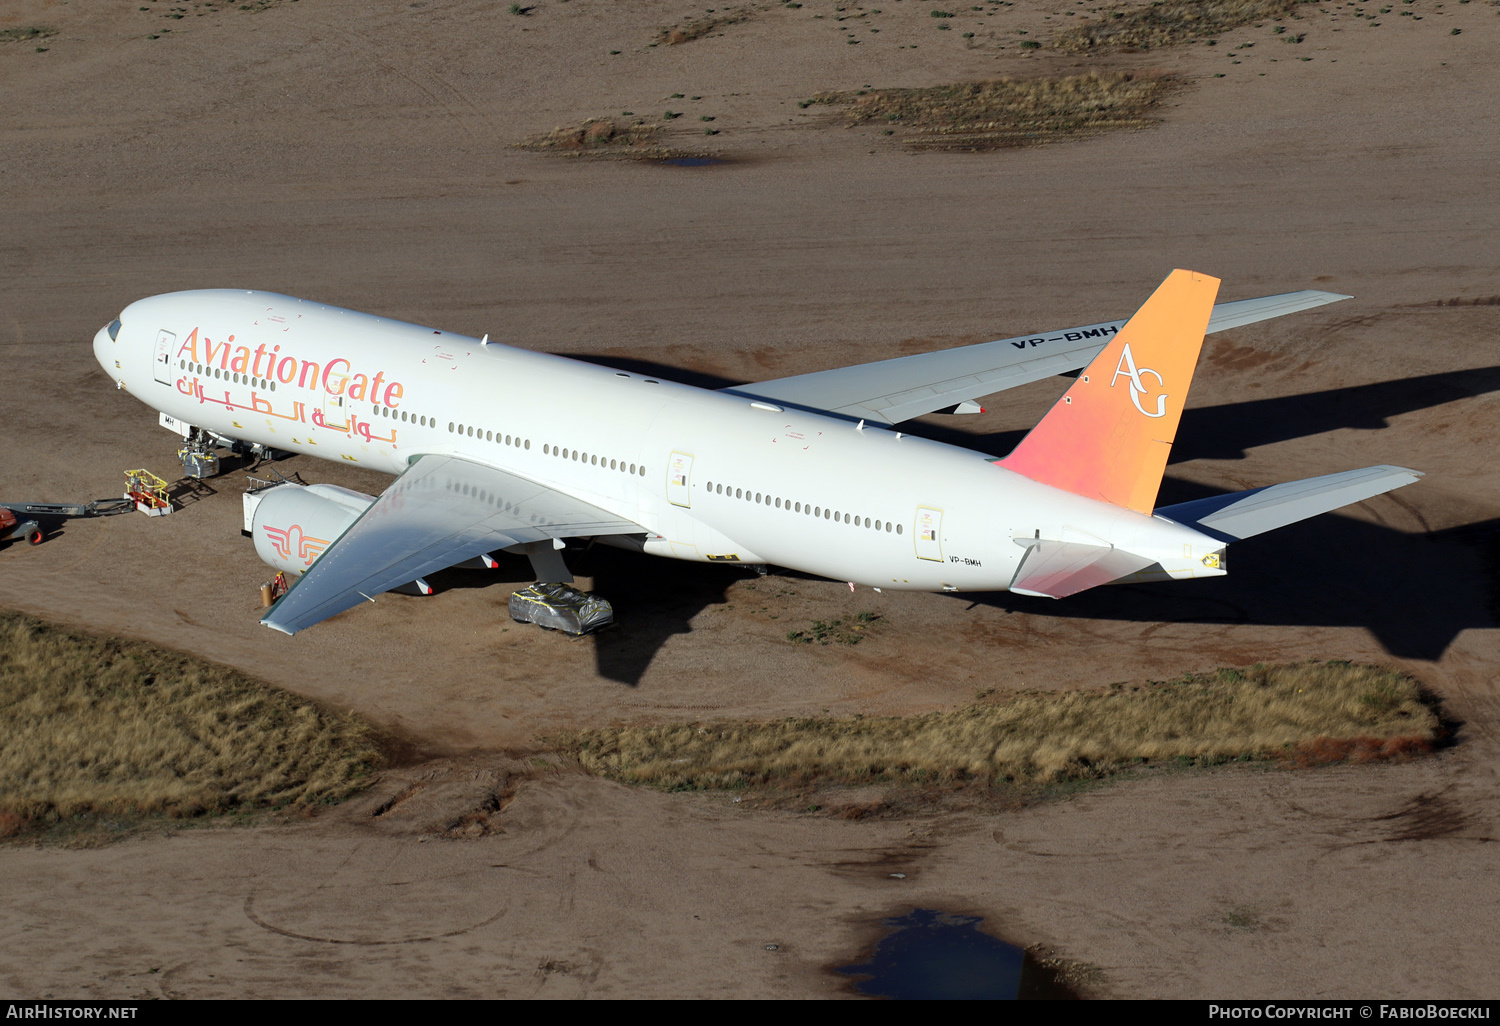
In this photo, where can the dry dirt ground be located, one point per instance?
(359, 154)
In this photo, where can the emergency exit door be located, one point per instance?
(928, 534)
(680, 479)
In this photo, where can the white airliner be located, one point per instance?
(498, 448)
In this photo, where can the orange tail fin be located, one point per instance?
(1110, 434)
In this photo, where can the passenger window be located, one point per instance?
(898, 529)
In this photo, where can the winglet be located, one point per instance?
(1110, 434)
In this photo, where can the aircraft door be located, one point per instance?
(335, 411)
(680, 480)
(928, 534)
(166, 342)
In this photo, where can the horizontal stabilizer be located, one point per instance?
(1056, 569)
(1246, 514)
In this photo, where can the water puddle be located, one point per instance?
(692, 161)
(933, 955)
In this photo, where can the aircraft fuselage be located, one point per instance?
(708, 475)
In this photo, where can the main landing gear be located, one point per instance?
(552, 603)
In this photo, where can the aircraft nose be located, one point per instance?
(105, 348)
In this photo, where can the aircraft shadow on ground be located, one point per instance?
(654, 599)
(1413, 592)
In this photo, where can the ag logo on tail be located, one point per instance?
(1128, 369)
(1090, 443)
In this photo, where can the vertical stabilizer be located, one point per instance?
(1110, 434)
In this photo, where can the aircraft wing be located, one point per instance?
(442, 511)
(892, 391)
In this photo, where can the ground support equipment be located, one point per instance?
(20, 519)
(148, 492)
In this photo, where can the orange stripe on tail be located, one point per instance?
(1110, 434)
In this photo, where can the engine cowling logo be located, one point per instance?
(285, 539)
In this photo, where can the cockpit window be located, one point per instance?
(114, 329)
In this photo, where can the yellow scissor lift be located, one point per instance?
(148, 492)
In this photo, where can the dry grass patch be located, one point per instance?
(697, 28)
(1008, 112)
(29, 32)
(96, 725)
(1323, 711)
(1167, 22)
(603, 137)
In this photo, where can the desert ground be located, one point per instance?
(363, 155)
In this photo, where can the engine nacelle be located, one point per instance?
(292, 524)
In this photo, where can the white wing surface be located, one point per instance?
(1246, 514)
(442, 511)
(892, 391)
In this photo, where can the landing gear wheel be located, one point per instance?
(36, 537)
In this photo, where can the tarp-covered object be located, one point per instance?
(561, 608)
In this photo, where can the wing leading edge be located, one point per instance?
(892, 391)
(442, 511)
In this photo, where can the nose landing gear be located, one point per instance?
(200, 460)
(197, 456)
